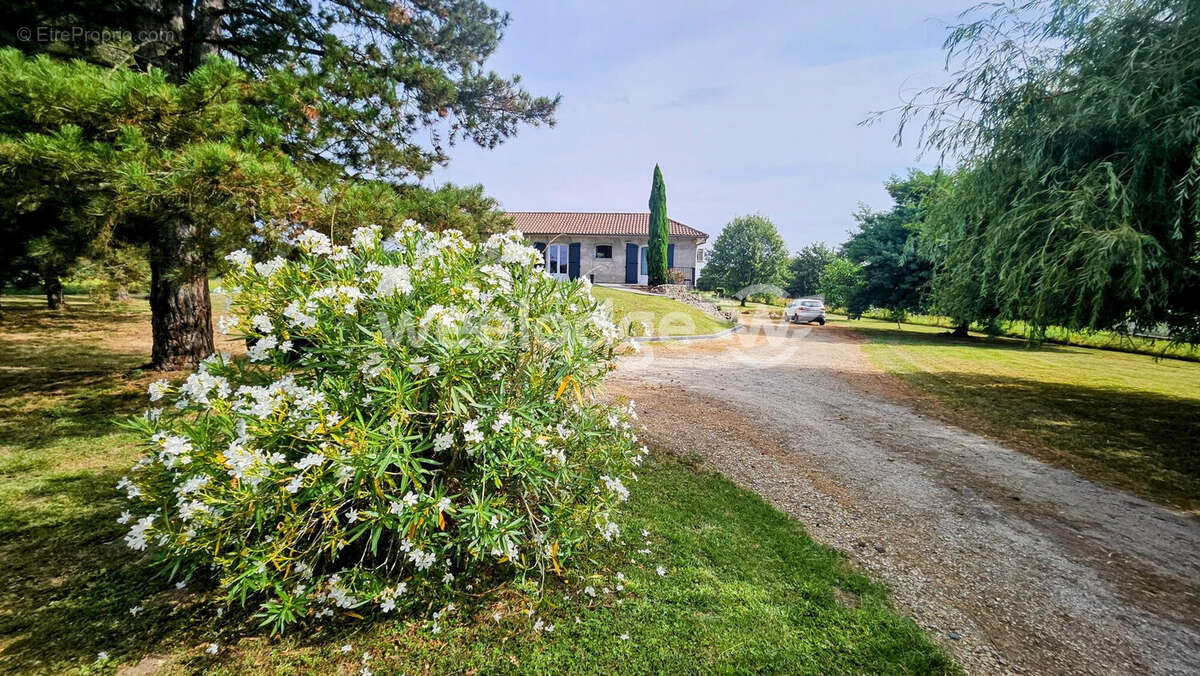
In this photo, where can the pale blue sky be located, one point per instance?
(747, 106)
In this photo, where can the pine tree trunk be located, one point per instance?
(181, 310)
(180, 307)
(54, 292)
(960, 331)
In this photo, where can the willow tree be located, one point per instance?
(1074, 125)
(351, 89)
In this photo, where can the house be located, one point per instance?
(608, 247)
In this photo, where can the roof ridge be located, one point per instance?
(614, 222)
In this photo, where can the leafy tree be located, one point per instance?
(962, 283)
(894, 275)
(656, 251)
(143, 160)
(804, 270)
(465, 209)
(1075, 124)
(840, 280)
(112, 272)
(749, 251)
(360, 80)
(342, 89)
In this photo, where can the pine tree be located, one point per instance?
(351, 89)
(656, 252)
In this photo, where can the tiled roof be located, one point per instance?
(593, 223)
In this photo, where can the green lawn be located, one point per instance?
(664, 316)
(1106, 340)
(1127, 419)
(745, 589)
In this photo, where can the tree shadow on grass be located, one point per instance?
(1142, 441)
(67, 581)
(896, 336)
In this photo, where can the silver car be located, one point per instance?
(805, 311)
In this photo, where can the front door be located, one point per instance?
(631, 263)
(557, 260)
(643, 268)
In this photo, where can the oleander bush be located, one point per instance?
(414, 416)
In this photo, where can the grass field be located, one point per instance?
(1126, 419)
(745, 589)
(1105, 340)
(664, 316)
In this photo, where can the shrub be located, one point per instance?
(414, 414)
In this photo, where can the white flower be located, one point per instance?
(411, 498)
(212, 649)
(661, 571)
(443, 441)
(365, 237)
(136, 538)
(298, 317)
(347, 648)
(617, 487)
(624, 637)
(259, 350)
(352, 516)
(124, 518)
(471, 432)
(262, 323)
(310, 460)
(225, 324)
(268, 268)
(189, 509)
(295, 484)
(388, 605)
(501, 421)
(158, 388)
(443, 505)
(101, 656)
(448, 578)
(313, 242)
(590, 591)
(392, 280)
(240, 258)
(135, 610)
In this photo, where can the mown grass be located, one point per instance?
(1105, 340)
(663, 316)
(1127, 419)
(745, 589)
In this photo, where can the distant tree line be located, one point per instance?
(1076, 197)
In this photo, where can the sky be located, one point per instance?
(748, 107)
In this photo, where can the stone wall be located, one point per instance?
(685, 295)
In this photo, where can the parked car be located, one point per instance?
(805, 311)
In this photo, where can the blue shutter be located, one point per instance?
(670, 256)
(573, 260)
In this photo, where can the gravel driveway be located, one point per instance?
(1015, 566)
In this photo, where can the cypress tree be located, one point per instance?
(656, 252)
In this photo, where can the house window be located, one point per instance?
(603, 251)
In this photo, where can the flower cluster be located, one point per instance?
(415, 412)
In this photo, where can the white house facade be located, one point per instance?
(608, 247)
